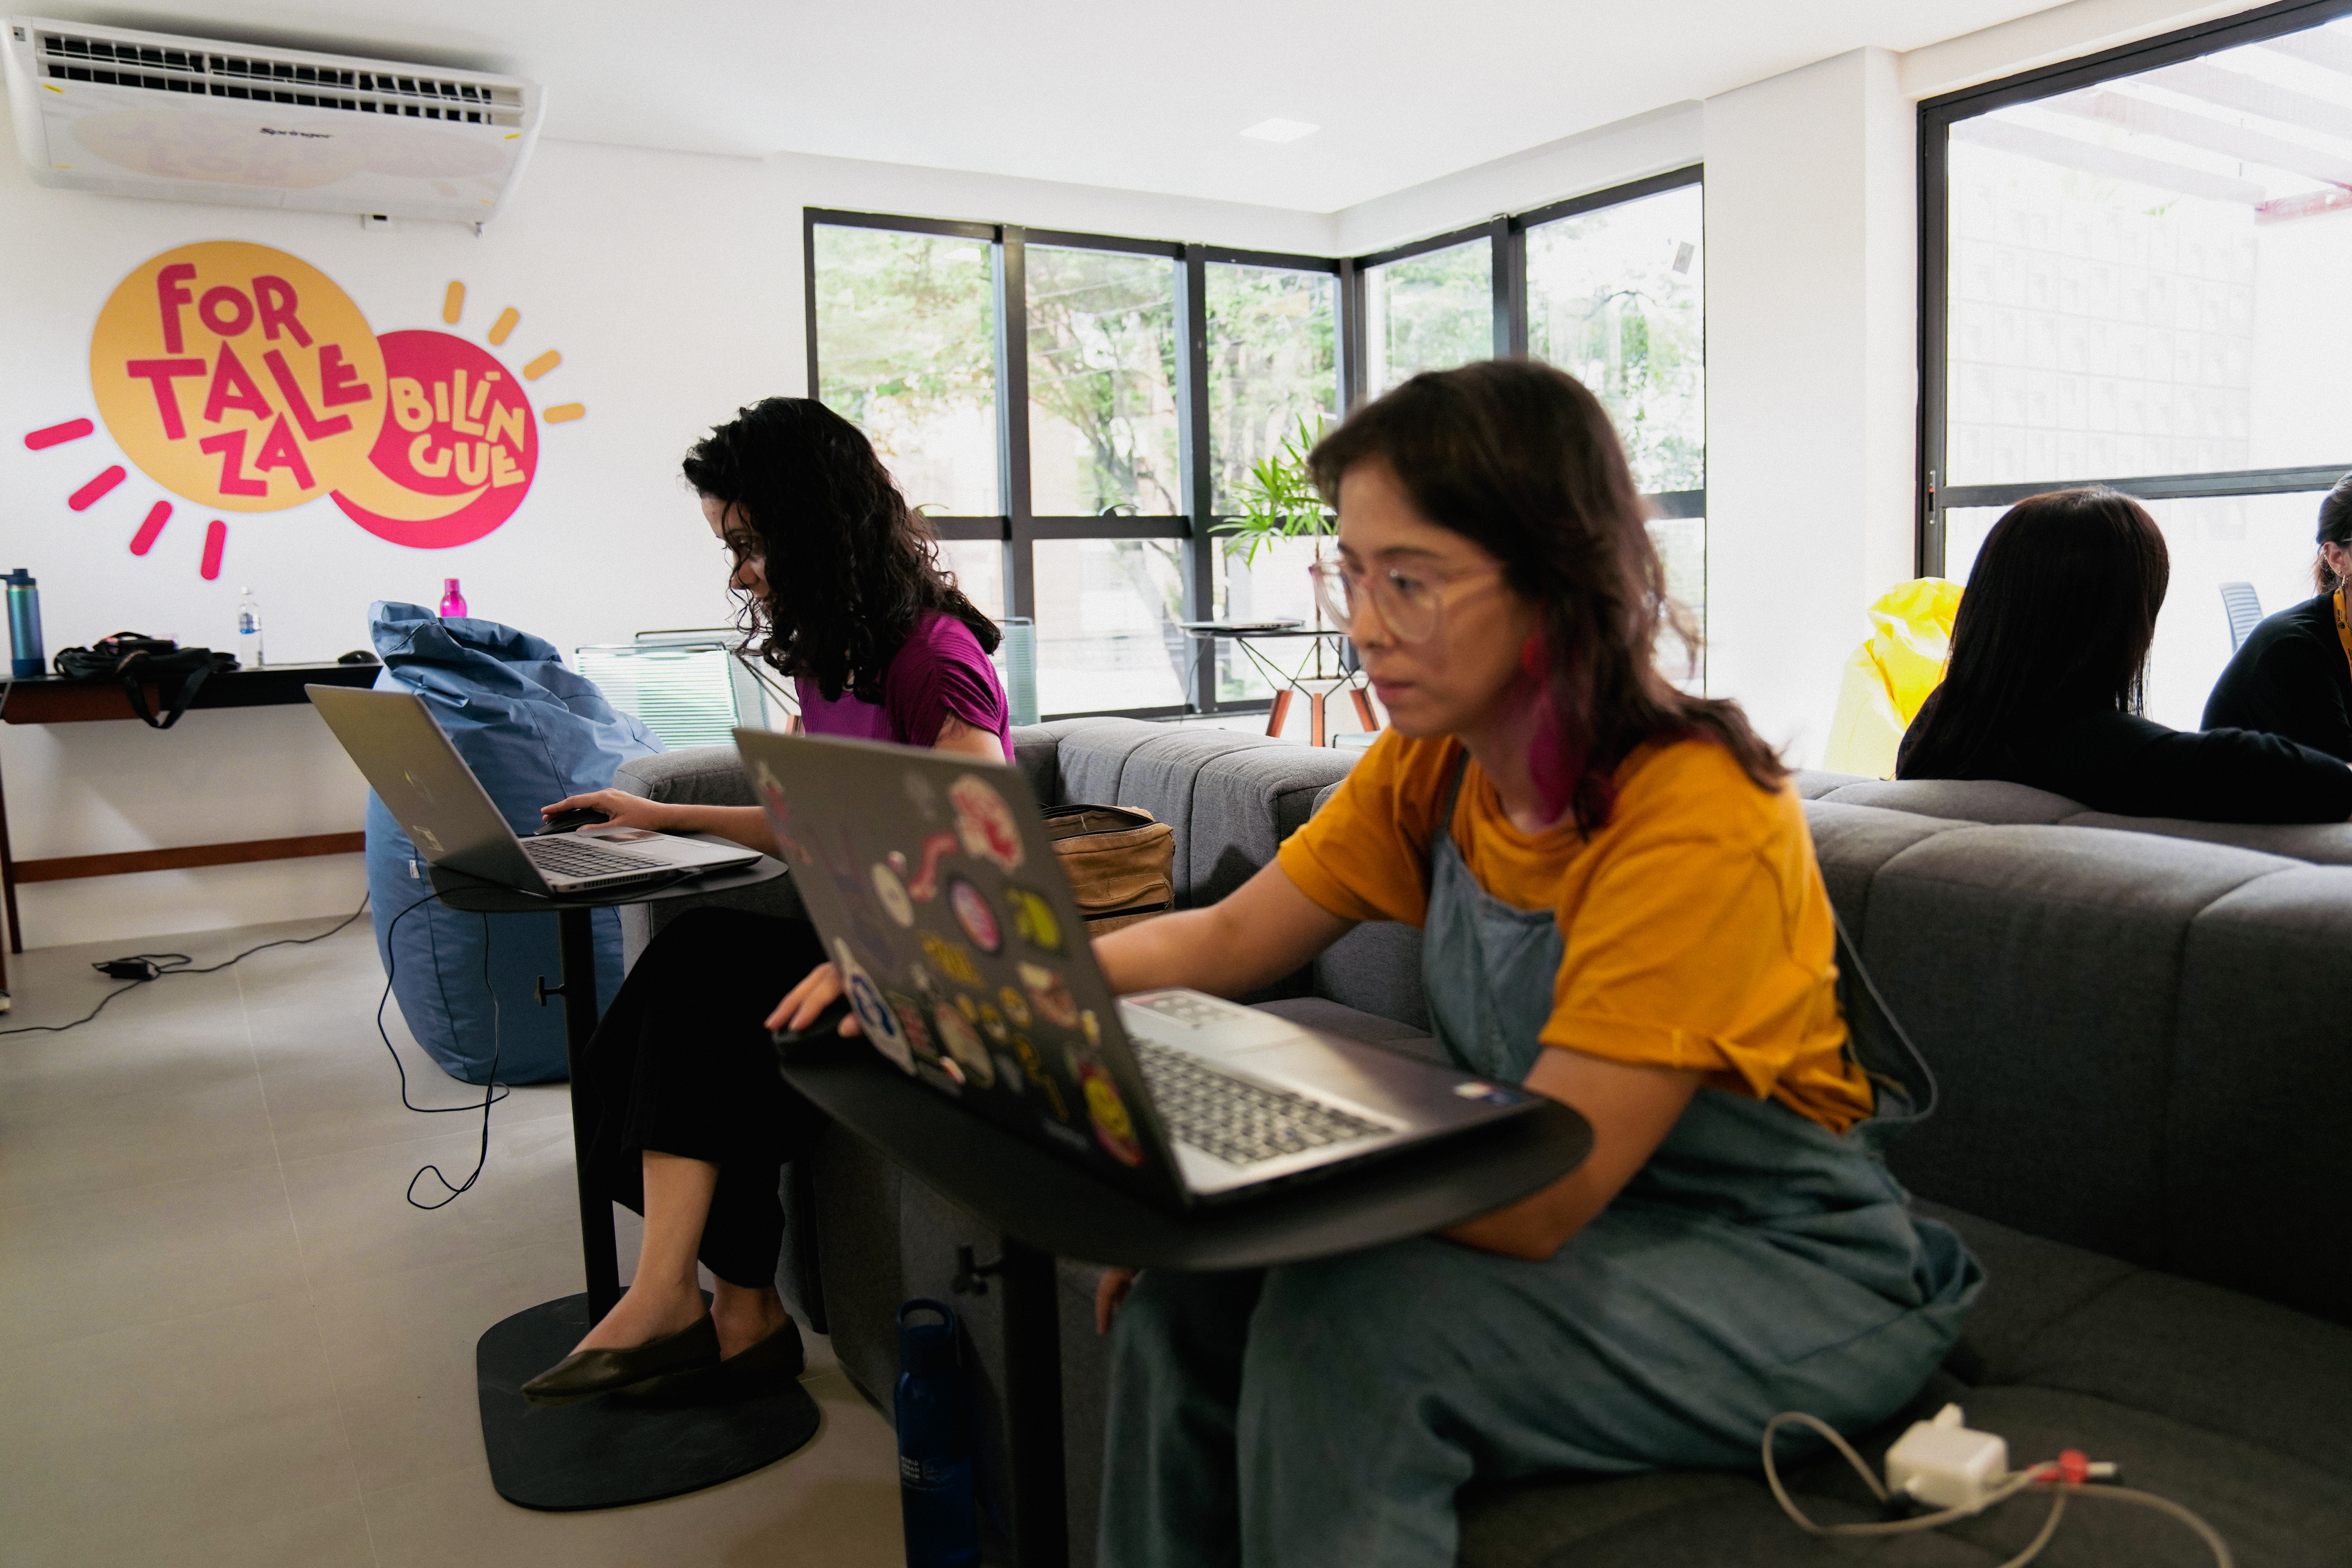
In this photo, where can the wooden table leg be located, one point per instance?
(1364, 710)
(8, 875)
(1314, 729)
(1280, 711)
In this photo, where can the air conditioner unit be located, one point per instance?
(189, 119)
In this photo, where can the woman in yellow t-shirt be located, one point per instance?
(1621, 909)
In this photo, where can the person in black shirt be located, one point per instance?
(2049, 658)
(2294, 675)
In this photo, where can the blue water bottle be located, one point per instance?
(935, 1498)
(25, 625)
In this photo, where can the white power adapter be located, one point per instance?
(1944, 1464)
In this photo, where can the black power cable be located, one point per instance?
(145, 968)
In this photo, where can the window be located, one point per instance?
(2132, 277)
(908, 321)
(1074, 413)
(1616, 296)
(1430, 310)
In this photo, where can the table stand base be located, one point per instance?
(611, 1452)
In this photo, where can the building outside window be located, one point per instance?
(2136, 276)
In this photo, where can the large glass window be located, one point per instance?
(2134, 275)
(1077, 415)
(1430, 312)
(1617, 297)
(1102, 382)
(908, 325)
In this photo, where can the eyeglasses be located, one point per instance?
(1412, 603)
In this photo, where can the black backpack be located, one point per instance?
(141, 661)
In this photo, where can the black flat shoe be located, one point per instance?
(584, 1375)
(779, 1358)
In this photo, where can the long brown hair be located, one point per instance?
(2057, 622)
(1522, 459)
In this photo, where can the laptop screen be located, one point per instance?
(941, 900)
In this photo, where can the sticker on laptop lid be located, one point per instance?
(973, 913)
(923, 795)
(893, 894)
(924, 886)
(874, 1015)
(1055, 1003)
(910, 1019)
(1113, 1129)
(963, 1045)
(1033, 919)
(770, 791)
(1015, 1005)
(1011, 1070)
(1091, 1028)
(992, 1024)
(985, 823)
(1032, 1068)
(952, 959)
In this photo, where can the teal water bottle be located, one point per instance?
(29, 658)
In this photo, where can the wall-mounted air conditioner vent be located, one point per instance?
(263, 127)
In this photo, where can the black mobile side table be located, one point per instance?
(607, 1452)
(1045, 1207)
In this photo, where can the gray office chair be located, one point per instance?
(2244, 608)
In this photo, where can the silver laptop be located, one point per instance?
(431, 792)
(940, 896)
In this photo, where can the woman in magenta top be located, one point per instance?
(687, 1121)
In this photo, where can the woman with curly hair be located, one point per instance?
(688, 1123)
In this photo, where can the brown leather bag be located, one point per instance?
(1117, 859)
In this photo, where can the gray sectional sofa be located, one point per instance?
(2143, 1032)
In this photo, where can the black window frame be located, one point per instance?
(1017, 528)
(1937, 116)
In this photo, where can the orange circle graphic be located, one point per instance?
(237, 376)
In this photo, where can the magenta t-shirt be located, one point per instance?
(938, 673)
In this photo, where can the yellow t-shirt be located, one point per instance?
(1697, 926)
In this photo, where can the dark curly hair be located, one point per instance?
(850, 566)
(1520, 458)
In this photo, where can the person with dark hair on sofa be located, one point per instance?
(1621, 909)
(2049, 659)
(690, 1123)
(2293, 676)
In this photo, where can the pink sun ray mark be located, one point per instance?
(157, 516)
(58, 435)
(82, 499)
(216, 541)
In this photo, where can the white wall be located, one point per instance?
(673, 286)
(1811, 381)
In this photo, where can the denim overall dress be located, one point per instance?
(1326, 1412)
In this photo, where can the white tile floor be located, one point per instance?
(226, 1338)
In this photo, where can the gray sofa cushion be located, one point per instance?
(2323, 843)
(1959, 800)
(2037, 968)
(2224, 1405)
(2258, 1162)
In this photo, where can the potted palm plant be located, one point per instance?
(1279, 501)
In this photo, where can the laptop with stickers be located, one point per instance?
(939, 895)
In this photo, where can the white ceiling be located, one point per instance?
(1146, 97)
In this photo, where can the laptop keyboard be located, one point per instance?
(562, 854)
(1240, 1123)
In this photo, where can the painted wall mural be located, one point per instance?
(242, 379)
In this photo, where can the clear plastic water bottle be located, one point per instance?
(453, 602)
(248, 629)
(29, 657)
(935, 1495)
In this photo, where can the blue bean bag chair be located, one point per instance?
(533, 732)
